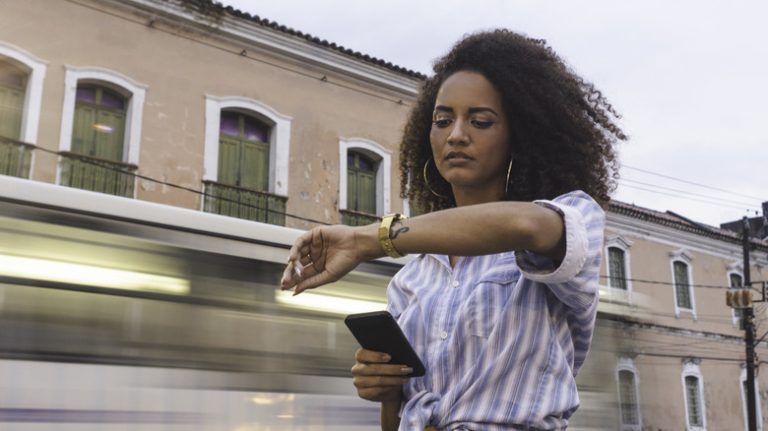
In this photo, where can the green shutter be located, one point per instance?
(229, 160)
(11, 108)
(254, 165)
(352, 189)
(109, 136)
(366, 192)
(82, 130)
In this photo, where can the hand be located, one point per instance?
(376, 379)
(325, 254)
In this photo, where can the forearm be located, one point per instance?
(475, 230)
(390, 415)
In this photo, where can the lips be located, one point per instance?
(457, 155)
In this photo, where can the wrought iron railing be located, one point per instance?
(243, 203)
(355, 218)
(98, 175)
(15, 157)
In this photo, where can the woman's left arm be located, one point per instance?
(325, 254)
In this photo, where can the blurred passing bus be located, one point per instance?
(124, 314)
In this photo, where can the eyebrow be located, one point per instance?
(474, 110)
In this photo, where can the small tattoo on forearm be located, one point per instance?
(393, 233)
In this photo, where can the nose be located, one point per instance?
(458, 135)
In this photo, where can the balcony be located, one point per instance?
(243, 203)
(355, 218)
(98, 175)
(15, 157)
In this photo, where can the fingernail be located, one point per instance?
(406, 370)
(386, 358)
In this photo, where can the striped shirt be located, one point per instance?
(502, 336)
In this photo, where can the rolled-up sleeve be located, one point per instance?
(574, 280)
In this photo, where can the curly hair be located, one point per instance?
(562, 129)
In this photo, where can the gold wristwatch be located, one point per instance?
(384, 238)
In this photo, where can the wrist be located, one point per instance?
(367, 238)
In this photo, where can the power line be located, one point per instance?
(690, 198)
(104, 165)
(685, 192)
(691, 182)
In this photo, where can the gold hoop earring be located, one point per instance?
(426, 181)
(509, 172)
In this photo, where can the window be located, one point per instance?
(243, 151)
(21, 88)
(758, 410)
(629, 406)
(364, 184)
(682, 281)
(246, 159)
(99, 126)
(100, 131)
(617, 277)
(682, 286)
(13, 86)
(361, 183)
(695, 414)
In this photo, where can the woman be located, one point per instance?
(514, 156)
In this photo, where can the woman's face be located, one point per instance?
(470, 134)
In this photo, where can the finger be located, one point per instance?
(305, 260)
(317, 250)
(286, 282)
(301, 242)
(363, 382)
(361, 369)
(379, 394)
(314, 281)
(371, 357)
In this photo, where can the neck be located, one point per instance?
(473, 196)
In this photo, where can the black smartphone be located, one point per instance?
(378, 331)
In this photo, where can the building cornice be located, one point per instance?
(267, 37)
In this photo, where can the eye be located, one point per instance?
(482, 124)
(442, 122)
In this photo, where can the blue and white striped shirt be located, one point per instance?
(502, 336)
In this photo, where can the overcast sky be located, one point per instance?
(688, 77)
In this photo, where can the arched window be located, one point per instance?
(693, 392)
(243, 151)
(735, 281)
(361, 183)
(246, 159)
(13, 86)
(364, 183)
(629, 404)
(21, 89)
(98, 129)
(617, 273)
(683, 283)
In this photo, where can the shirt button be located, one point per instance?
(443, 335)
(455, 283)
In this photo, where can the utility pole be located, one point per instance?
(749, 328)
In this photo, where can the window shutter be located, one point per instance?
(617, 264)
(694, 407)
(366, 192)
(109, 135)
(11, 108)
(82, 130)
(627, 398)
(682, 287)
(254, 166)
(229, 160)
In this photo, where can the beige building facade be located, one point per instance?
(177, 67)
(170, 84)
(679, 352)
